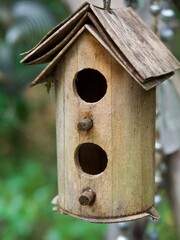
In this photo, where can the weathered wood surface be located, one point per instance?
(113, 51)
(60, 41)
(49, 70)
(138, 50)
(142, 48)
(123, 126)
(56, 35)
(100, 34)
(44, 75)
(73, 5)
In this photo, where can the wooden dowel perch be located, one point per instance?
(85, 125)
(88, 197)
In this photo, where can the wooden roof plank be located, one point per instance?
(47, 71)
(124, 62)
(156, 81)
(55, 36)
(96, 34)
(140, 46)
(54, 51)
(147, 85)
(47, 56)
(121, 32)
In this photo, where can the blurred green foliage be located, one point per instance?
(165, 227)
(26, 190)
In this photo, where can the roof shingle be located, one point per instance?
(121, 32)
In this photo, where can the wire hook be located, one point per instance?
(107, 4)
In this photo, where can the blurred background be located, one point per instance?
(28, 173)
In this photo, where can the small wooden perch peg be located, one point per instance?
(85, 125)
(107, 4)
(88, 197)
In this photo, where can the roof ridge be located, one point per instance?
(138, 50)
(54, 29)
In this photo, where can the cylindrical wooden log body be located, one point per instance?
(123, 135)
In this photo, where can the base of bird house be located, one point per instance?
(115, 219)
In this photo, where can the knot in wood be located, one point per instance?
(88, 197)
(85, 125)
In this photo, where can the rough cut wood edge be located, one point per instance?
(84, 6)
(153, 82)
(100, 34)
(142, 54)
(124, 61)
(111, 48)
(108, 45)
(45, 74)
(149, 213)
(42, 77)
(80, 12)
(48, 56)
(150, 83)
(147, 83)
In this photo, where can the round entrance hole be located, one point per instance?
(91, 158)
(91, 85)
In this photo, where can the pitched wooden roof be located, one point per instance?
(121, 32)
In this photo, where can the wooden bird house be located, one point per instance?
(105, 66)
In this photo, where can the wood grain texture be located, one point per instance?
(135, 47)
(133, 119)
(141, 46)
(50, 52)
(100, 34)
(44, 75)
(49, 70)
(56, 35)
(108, 43)
(123, 127)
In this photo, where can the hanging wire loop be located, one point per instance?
(107, 5)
